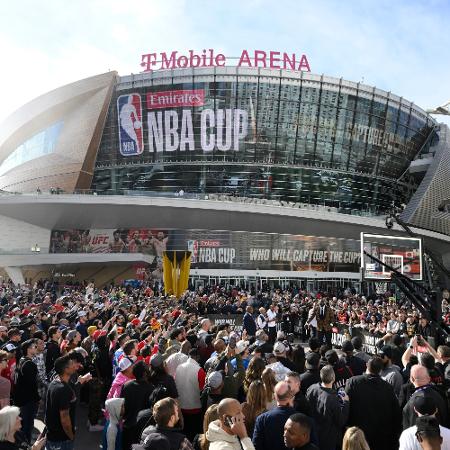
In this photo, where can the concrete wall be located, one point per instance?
(18, 237)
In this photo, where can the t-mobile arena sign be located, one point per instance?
(209, 58)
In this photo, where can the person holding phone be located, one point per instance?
(229, 431)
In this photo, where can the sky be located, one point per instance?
(401, 46)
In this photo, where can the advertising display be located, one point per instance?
(402, 254)
(219, 249)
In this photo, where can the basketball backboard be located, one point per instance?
(401, 253)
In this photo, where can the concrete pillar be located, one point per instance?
(16, 275)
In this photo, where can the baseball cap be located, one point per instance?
(312, 361)
(386, 350)
(82, 313)
(215, 379)
(10, 348)
(241, 346)
(425, 406)
(71, 335)
(125, 363)
(156, 360)
(347, 346)
(279, 347)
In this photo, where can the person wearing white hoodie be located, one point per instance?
(112, 439)
(229, 431)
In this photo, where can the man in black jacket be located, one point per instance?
(53, 351)
(374, 407)
(26, 395)
(249, 323)
(356, 365)
(423, 388)
(312, 373)
(166, 416)
(328, 410)
(301, 404)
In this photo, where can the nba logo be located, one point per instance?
(192, 247)
(129, 111)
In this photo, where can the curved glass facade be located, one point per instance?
(258, 133)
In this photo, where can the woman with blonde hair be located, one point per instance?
(269, 381)
(10, 436)
(200, 442)
(354, 439)
(255, 405)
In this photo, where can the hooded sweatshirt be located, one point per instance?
(114, 408)
(220, 440)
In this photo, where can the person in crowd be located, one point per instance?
(428, 433)
(272, 322)
(112, 439)
(167, 417)
(261, 320)
(175, 359)
(384, 411)
(160, 377)
(269, 381)
(52, 347)
(359, 353)
(329, 410)
(212, 392)
(354, 439)
(254, 372)
(60, 406)
(255, 405)
(391, 372)
(297, 433)
(325, 317)
(135, 393)
(190, 380)
(312, 373)
(356, 365)
(423, 388)
(229, 431)
(125, 374)
(249, 323)
(200, 441)
(423, 406)
(26, 392)
(301, 404)
(11, 437)
(341, 371)
(280, 350)
(269, 426)
(5, 383)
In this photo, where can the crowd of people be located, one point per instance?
(157, 373)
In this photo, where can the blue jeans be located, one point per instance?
(28, 413)
(59, 445)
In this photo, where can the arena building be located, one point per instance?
(265, 175)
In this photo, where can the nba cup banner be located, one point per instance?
(176, 268)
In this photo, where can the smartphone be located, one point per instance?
(228, 421)
(43, 433)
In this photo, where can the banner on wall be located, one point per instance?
(218, 249)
